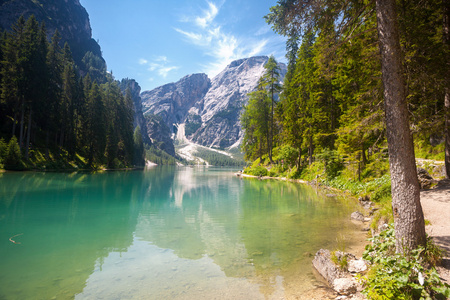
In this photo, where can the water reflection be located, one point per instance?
(68, 221)
(163, 233)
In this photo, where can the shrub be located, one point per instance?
(3, 149)
(333, 163)
(13, 158)
(287, 155)
(256, 171)
(397, 276)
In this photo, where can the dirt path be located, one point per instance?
(436, 208)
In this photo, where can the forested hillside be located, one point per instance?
(331, 101)
(56, 114)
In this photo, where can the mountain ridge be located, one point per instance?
(69, 17)
(210, 108)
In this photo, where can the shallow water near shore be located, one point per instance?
(164, 233)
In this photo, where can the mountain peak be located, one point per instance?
(210, 108)
(253, 59)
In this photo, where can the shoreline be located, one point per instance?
(356, 247)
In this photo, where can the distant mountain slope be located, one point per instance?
(173, 101)
(138, 119)
(69, 17)
(210, 109)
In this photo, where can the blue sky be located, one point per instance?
(160, 41)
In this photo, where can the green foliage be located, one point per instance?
(159, 157)
(332, 162)
(218, 159)
(254, 123)
(13, 157)
(286, 154)
(53, 110)
(380, 188)
(340, 260)
(259, 171)
(397, 276)
(423, 149)
(191, 128)
(258, 116)
(139, 152)
(3, 149)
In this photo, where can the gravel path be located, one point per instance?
(436, 208)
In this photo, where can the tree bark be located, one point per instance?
(22, 113)
(271, 124)
(14, 125)
(299, 161)
(27, 145)
(447, 133)
(446, 41)
(408, 216)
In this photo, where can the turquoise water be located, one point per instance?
(162, 233)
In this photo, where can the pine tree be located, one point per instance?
(255, 123)
(271, 81)
(69, 98)
(95, 133)
(12, 72)
(139, 151)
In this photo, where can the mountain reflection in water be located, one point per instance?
(165, 232)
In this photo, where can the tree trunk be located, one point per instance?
(311, 146)
(27, 145)
(271, 128)
(447, 133)
(21, 125)
(299, 162)
(446, 40)
(408, 216)
(47, 141)
(363, 156)
(14, 125)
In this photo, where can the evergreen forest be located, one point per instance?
(56, 114)
(330, 108)
(366, 94)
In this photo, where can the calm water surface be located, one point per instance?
(162, 233)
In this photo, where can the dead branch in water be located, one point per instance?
(13, 241)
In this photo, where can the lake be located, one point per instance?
(164, 233)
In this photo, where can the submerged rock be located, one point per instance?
(357, 216)
(340, 280)
(326, 267)
(365, 202)
(357, 266)
(345, 286)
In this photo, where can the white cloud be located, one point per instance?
(263, 30)
(160, 65)
(208, 16)
(161, 58)
(221, 46)
(258, 47)
(195, 38)
(164, 71)
(143, 61)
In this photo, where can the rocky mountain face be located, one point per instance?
(138, 119)
(173, 101)
(210, 109)
(66, 16)
(159, 133)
